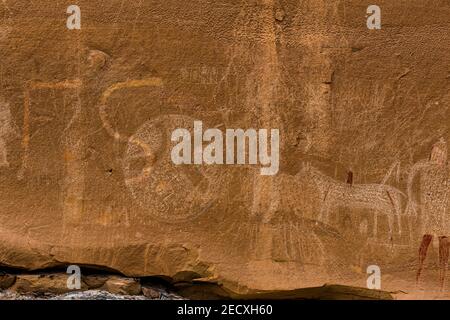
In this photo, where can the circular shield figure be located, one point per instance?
(171, 193)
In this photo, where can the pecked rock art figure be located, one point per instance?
(301, 226)
(432, 204)
(169, 193)
(381, 198)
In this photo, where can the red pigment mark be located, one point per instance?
(443, 259)
(350, 178)
(426, 240)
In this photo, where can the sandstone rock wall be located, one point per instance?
(86, 116)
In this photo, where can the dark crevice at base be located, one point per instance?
(183, 285)
(62, 268)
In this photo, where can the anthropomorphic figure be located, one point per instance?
(433, 205)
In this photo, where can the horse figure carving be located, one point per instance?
(381, 198)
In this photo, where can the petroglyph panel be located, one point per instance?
(86, 118)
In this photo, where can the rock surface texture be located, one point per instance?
(86, 117)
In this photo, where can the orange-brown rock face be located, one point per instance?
(87, 116)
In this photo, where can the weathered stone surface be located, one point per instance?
(86, 115)
(6, 281)
(125, 286)
(56, 283)
(326, 292)
(43, 284)
(151, 293)
(94, 281)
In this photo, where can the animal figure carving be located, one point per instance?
(381, 198)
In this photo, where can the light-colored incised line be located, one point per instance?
(66, 84)
(148, 154)
(150, 82)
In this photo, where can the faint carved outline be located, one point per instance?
(384, 199)
(150, 82)
(29, 88)
(134, 140)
